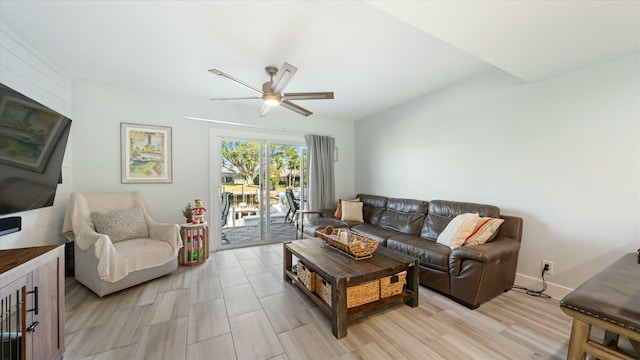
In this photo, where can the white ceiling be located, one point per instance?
(373, 55)
(532, 40)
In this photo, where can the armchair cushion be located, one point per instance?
(121, 224)
(138, 254)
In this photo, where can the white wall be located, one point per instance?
(563, 153)
(99, 108)
(25, 70)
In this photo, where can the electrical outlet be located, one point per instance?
(549, 265)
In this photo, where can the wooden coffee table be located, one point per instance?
(342, 272)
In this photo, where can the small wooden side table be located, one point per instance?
(195, 238)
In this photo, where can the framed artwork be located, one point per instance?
(29, 134)
(146, 153)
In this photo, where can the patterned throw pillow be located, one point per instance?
(484, 232)
(458, 230)
(121, 224)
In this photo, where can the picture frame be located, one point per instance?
(30, 133)
(146, 153)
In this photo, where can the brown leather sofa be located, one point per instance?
(470, 275)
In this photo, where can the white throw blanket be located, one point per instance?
(111, 265)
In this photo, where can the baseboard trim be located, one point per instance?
(554, 290)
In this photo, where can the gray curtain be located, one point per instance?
(321, 178)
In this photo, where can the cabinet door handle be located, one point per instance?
(33, 326)
(35, 300)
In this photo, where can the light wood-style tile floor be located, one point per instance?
(236, 306)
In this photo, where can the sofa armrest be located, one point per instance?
(480, 272)
(328, 213)
(496, 249)
(500, 250)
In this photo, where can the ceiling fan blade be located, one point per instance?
(265, 110)
(299, 109)
(308, 96)
(285, 74)
(240, 82)
(237, 98)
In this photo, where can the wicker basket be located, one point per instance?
(355, 245)
(306, 276)
(323, 289)
(356, 295)
(392, 285)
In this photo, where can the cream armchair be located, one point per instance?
(116, 243)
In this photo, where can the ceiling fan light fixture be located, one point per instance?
(271, 99)
(272, 93)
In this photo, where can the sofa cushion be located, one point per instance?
(314, 223)
(373, 207)
(352, 211)
(458, 230)
(121, 224)
(484, 232)
(441, 212)
(374, 232)
(430, 253)
(404, 215)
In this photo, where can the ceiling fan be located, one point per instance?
(271, 93)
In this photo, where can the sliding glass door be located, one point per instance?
(285, 177)
(255, 177)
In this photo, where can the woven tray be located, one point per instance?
(352, 244)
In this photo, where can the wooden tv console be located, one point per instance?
(32, 286)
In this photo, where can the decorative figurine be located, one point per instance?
(198, 212)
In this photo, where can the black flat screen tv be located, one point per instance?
(33, 139)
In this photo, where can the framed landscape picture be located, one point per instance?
(29, 134)
(146, 153)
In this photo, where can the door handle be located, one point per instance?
(33, 326)
(35, 300)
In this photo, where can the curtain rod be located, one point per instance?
(250, 126)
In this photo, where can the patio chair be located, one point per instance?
(225, 207)
(293, 206)
(225, 214)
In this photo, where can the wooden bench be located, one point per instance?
(609, 300)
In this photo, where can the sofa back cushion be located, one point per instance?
(441, 212)
(372, 207)
(404, 215)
